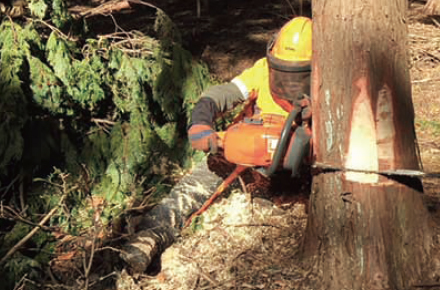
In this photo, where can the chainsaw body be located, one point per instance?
(254, 142)
(268, 144)
(251, 142)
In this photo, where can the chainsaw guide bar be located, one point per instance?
(396, 172)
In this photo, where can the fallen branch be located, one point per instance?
(22, 283)
(88, 266)
(253, 225)
(6, 189)
(53, 28)
(426, 80)
(104, 121)
(114, 273)
(434, 56)
(426, 285)
(15, 216)
(33, 231)
(106, 8)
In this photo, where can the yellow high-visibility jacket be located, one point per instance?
(256, 80)
(253, 81)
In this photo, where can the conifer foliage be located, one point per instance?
(102, 116)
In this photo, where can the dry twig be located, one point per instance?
(88, 265)
(33, 231)
(426, 285)
(53, 28)
(106, 8)
(10, 185)
(43, 221)
(426, 80)
(114, 273)
(254, 225)
(17, 217)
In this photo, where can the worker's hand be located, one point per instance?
(203, 137)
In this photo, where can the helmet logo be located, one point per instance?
(296, 38)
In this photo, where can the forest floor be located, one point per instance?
(253, 243)
(245, 243)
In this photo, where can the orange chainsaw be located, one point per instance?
(268, 144)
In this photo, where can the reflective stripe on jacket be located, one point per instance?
(221, 98)
(256, 79)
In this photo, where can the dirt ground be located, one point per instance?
(424, 47)
(252, 243)
(249, 244)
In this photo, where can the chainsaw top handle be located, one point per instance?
(281, 146)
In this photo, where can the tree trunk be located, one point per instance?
(365, 231)
(432, 7)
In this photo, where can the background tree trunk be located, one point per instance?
(365, 231)
(432, 7)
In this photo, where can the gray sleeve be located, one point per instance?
(225, 96)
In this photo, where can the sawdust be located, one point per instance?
(240, 243)
(244, 243)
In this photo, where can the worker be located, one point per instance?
(275, 84)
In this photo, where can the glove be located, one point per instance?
(306, 106)
(203, 137)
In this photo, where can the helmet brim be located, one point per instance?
(285, 65)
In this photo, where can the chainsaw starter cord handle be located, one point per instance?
(281, 146)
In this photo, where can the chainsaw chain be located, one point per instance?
(323, 168)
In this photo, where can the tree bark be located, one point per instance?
(432, 7)
(365, 231)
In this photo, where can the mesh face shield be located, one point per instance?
(289, 86)
(288, 80)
